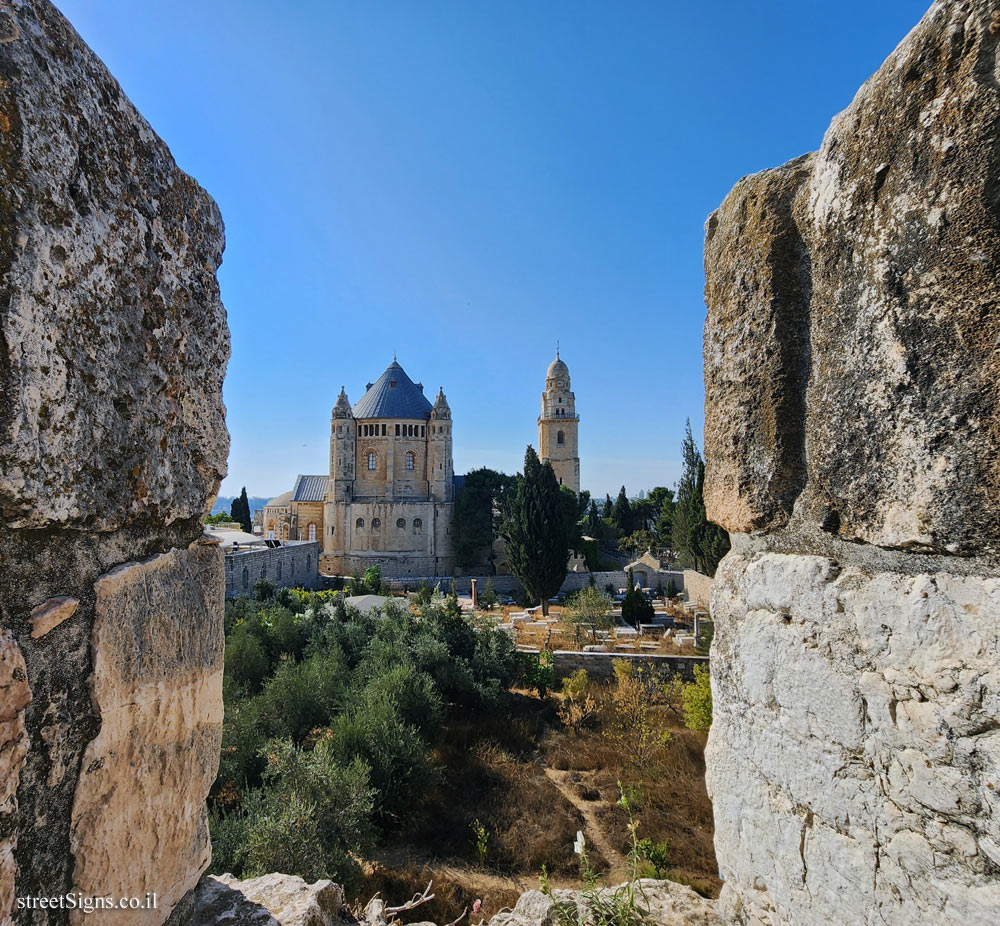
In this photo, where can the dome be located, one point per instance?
(557, 368)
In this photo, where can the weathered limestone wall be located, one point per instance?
(853, 449)
(113, 345)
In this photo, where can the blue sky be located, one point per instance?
(467, 182)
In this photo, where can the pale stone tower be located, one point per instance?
(558, 424)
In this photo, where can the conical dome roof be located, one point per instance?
(393, 395)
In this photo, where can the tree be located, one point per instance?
(621, 515)
(590, 608)
(534, 527)
(593, 524)
(636, 608)
(574, 506)
(239, 511)
(373, 580)
(638, 541)
(609, 508)
(474, 520)
(702, 542)
(488, 596)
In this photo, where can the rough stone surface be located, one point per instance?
(51, 614)
(271, 900)
(853, 319)
(114, 342)
(15, 695)
(853, 447)
(666, 902)
(854, 760)
(113, 346)
(140, 802)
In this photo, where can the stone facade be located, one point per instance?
(558, 426)
(293, 564)
(852, 438)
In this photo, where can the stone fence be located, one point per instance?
(602, 665)
(294, 563)
(697, 587)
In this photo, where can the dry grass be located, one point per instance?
(493, 771)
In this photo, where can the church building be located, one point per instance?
(389, 497)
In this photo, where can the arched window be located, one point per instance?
(376, 524)
(359, 523)
(284, 531)
(279, 570)
(418, 525)
(309, 560)
(312, 531)
(411, 461)
(560, 438)
(263, 571)
(372, 459)
(401, 523)
(246, 578)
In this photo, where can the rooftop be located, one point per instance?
(393, 395)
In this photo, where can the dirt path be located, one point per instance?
(593, 830)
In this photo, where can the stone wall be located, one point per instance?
(852, 445)
(294, 564)
(113, 346)
(602, 665)
(697, 587)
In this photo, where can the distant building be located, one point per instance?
(558, 425)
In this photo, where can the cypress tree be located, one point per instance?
(609, 508)
(622, 514)
(240, 511)
(694, 535)
(535, 530)
(593, 521)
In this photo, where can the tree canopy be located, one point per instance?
(694, 536)
(239, 511)
(534, 526)
(475, 521)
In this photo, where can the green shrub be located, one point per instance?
(263, 589)
(574, 686)
(246, 661)
(696, 698)
(537, 671)
(302, 696)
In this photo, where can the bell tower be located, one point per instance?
(558, 424)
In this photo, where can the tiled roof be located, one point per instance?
(393, 395)
(279, 501)
(309, 489)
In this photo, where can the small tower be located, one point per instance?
(441, 474)
(558, 424)
(340, 488)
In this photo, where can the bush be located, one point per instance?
(302, 696)
(245, 660)
(537, 671)
(697, 701)
(574, 686)
(263, 590)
